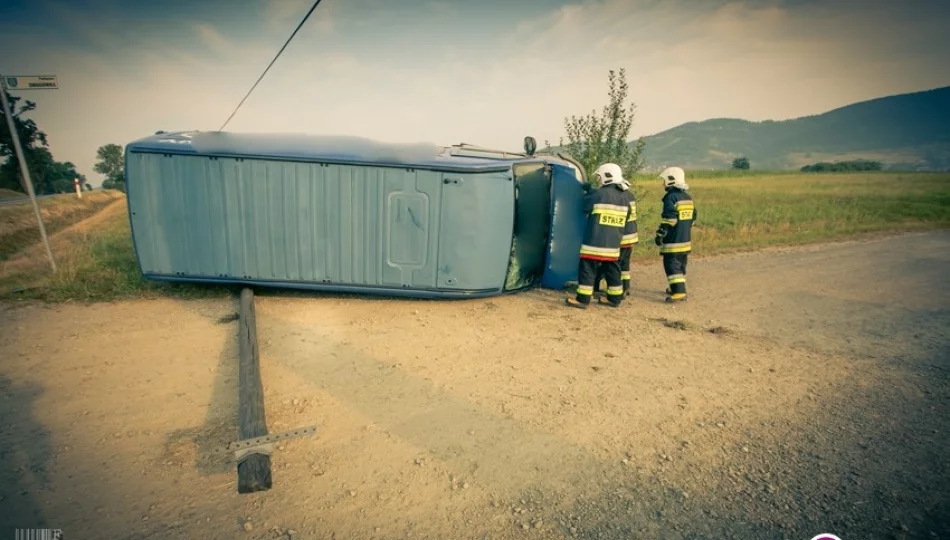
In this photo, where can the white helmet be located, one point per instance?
(674, 177)
(609, 173)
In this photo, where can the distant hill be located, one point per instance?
(910, 131)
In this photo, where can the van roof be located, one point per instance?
(330, 149)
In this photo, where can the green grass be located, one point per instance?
(747, 211)
(109, 270)
(737, 212)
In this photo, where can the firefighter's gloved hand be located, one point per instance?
(658, 240)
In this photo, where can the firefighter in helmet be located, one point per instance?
(607, 209)
(627, 242)
(674, 234)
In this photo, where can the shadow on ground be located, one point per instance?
(24, 477)
(210, 439)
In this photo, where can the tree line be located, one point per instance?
(49, 176)
(856, 165)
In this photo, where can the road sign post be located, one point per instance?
(44, 82)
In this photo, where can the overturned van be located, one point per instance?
(352, 215)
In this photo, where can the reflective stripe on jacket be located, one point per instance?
(630, 229)
(677, 218)
(608, 209)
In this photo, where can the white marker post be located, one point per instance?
(37, 82)
(78, 187)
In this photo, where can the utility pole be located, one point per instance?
(46, 82)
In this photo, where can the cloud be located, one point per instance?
(624, 25)
(101, 35)
(212, 38)
(285, 10)
(286, 14)
(446, 71)
(753, 59)
(442, 8)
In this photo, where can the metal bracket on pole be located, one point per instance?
(265, 449)
(24, 170)
(265, 443)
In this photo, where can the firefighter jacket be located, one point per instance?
(630, 229)
(676, 222)
(608, 209)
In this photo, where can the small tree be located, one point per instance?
(32, 139)
(597, 139)
(111, 164)
(741, 163)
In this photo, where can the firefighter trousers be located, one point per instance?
(587, 274)
(624, 261)
(674, 264)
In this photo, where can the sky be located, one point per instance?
(485, 72)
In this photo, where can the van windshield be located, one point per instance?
(529, 242)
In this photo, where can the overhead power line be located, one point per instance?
(305, 17)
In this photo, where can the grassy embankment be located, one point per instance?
(91, 244)
(736, 212)
(7, 194)
(18, 228)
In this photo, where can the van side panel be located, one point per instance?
(295, 222)
(411, 232)
(475, 241)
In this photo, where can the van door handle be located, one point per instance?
(452, 181)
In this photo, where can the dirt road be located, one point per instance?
(798, 392)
